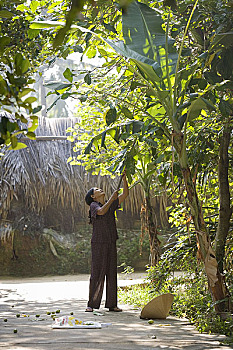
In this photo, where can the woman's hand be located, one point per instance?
(114, 196)
(125, 193)
(124, 176)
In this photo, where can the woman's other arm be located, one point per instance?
(125, 192)
(103, 210)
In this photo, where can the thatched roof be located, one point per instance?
(41, 175)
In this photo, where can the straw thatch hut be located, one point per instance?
(43, 216)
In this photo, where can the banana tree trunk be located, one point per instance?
(149, 226)
(225, 210)
(216, 282)
(152, 230)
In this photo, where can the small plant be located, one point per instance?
(127, 270)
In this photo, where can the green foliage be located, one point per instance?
(129, 251)
(136, 295)
(18, 60)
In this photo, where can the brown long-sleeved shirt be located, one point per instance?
(104, 226)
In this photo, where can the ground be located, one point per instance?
(31, 300)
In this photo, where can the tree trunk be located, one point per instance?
(152, 231)
(225, 210)
(216, 283)
(148, 225)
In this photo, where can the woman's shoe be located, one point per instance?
(115, 309)
(89, 309)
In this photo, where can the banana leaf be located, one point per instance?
(143, 33)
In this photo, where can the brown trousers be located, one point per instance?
(104, 263)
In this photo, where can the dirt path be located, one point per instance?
(33, 297)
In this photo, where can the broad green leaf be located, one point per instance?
(143, 33)
(114, 132)
(6, 14)
(89, 147)
(150, 142)
(30, 99)
(34, 5)
(220, 39)
(91, 52)
(68, 75)
(77, 48)
(65, 95)
(25, 65)
(46, 24)
(34, 124)
(33, 33)
(25, 91)
(137, 125)
(36, 109)
(144, 64)
(58, 86)
(4, 41)
(19, 145)
(11, 126)
(150, 69)
(59, 38)
(110, 116)
(22, 8)
(126, 112)
(18, 63)
(225, 108)
(196, 107)
(3, 86)
(103, 138)
(87, 78)
(31, 135)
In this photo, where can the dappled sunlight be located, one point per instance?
(58, 288)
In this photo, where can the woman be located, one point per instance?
(103, 246)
